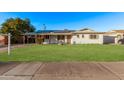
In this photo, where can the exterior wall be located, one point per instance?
(102, 39)
(53, 40)
(2, 40)
(86, 39)
(46, 41)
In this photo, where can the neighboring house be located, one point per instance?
(2, 40)
(117, 35)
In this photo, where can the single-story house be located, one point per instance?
(83, 36)
(115, 36)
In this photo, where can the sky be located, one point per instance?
(98, 21)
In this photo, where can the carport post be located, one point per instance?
(9, 43)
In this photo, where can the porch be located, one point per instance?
(47, 39)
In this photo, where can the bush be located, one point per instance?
(39, 40)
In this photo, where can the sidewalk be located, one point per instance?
(62, 71)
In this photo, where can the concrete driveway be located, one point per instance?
(62, 71)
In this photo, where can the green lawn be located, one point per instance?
(51, 53)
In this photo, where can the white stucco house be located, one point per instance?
(87, 36)
(115, 36)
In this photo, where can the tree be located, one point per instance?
(17, 26)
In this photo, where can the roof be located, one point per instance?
(51, 32)
(87, 31)
(30, 33)
(48, 33)
(63, 32)
(55, 31)
(118, 31)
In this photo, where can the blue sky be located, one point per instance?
(99, 21)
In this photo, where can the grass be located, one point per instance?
(52, 53)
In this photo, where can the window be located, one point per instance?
(77, 36)
(61, 37)
(94, 36)
(82, 36)
(47, 37)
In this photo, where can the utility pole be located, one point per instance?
(9, 43)
(44, 27)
